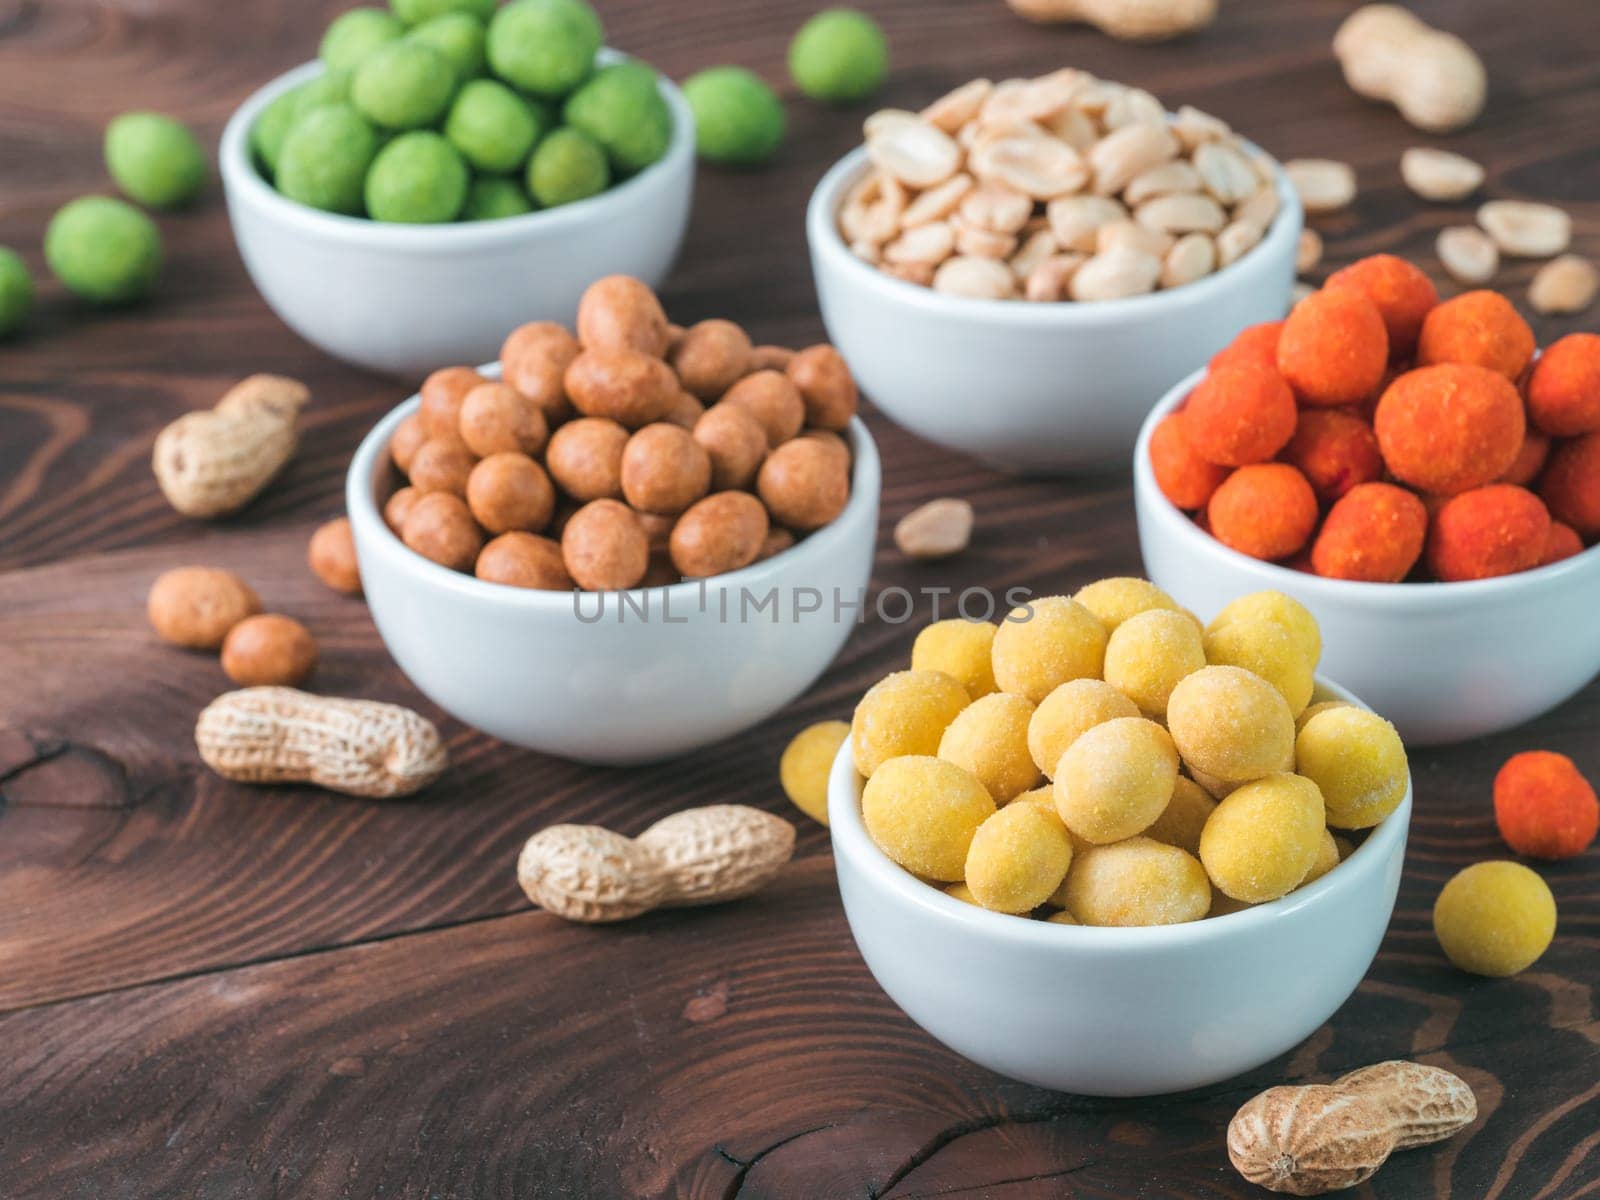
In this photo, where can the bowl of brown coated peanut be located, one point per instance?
(1020, 269)
(621, 541)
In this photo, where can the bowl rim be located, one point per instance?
(241, 178)
(1150, 503)
(823, 235)
(370, 457)
(848, 834)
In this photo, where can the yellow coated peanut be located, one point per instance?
(904, 713)
(1018, 858)
(1116, 779)
(1116, 599)
(806, 763)
(961, 649)
(1327, 859)
(1070, 710)
(1269, 650)
(990, 738)
(1185, 816)
(1358, 761)
(1231, 723)
(1136, 882)
(923, 812)
(1264, 838)
(1045, 643)
(1149, 653)
(1495, 918)
(1294, 617)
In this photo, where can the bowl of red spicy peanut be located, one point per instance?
(1417, 473)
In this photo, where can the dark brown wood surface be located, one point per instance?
(211, 991)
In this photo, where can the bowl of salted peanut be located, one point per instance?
(1105, 848)
(1019, 270)
(620, 542)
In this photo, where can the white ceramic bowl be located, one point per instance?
(1025, 386)
(1114, 1012)
(1444, 661)
(640, 684)
(408, 298)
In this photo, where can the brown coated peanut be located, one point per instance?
(803, 484)
(442, 394)
(495, 418)
(723, 532)
(397, 506)
(772, 399)
(631, 388)
(585, 458)
(604, 547)
(197, 606)
(770, 358)
(825, 385)
(736, 443)
(442, 464)
(332, 556)
(524, 560)
(403, 443)
(510, 491)
(685, 412)
(622, 312)
(711, 357)
(269, 649)
(440, 527)
(664, 470)
(534, 360)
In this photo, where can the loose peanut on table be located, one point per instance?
(359, 747)
(1523, 229)
(1319, 1138)
(1322, 184)
(1564, 285)
(214, 462)
(807, 763)
(332, 556)
(197, 606)
(1440, 175)
(698, 856)
(269, 649)
(937, 529)
(1433, 78)
(1129, 20)
(1468, 254)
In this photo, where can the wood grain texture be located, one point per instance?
(215, 991)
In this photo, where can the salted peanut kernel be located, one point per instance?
(1046, 642)
(1230, 723)
(1116, 779)
(442, 394)
(990, 738)
(1267, 649)
(1139, 881)
(439, 526)
(1280, 609)
(806, 763)
(269, 649)
(604, 547)
(1181, 822)
(711, 357)
(585, 458)
(1318, 706)
(1149, 653)
(1017, 859)
(960, 649)
(904, 713)
(524, 560)
(510, 491)
(1356, 758)
(909, 149)
(724, 532)
(1068, 712)
(1327, 858)
(1116, 599)
(1495, 918)
(1264, 837)
(923, 812)
(772, 398)
(534, 360)
(736, 443)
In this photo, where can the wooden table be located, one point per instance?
(212, 991)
